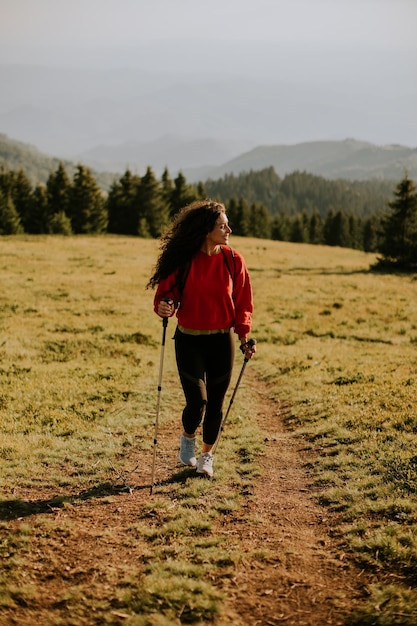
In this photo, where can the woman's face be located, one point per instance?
(221, 231)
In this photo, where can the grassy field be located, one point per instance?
(79, 357)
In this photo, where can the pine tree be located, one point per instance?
(316, 227)
(143, 228)
(6, 181)
(87, 210)
(167, 187)
(22, 197)
(38, 218)
(59, 224)
(299, 230)
(9, 218)
(122, 205)
(153, 210)
(201, 191)
(181, 195)
(232, 212)
(281, 227)
(370, 235)
(341, 230)
(355, 232)
(329, 236)
(240, 219)
(58, 187)
(399, 228)
(260, 221)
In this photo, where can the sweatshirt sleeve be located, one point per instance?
(243, 298)
(167, 289)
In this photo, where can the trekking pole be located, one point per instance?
(158, 402)
(251, 343)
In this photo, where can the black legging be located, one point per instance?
(205, 367)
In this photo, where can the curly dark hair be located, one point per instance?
(184, 238)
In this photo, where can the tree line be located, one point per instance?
(301, 191)
(299, 208)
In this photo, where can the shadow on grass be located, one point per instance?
(15, 509)
(373, 270)
(325, 271)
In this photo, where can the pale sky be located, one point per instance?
(30, 25)
(356, 59)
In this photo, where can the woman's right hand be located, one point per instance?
(165, 308)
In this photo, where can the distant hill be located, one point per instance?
(348, 159)
(170, 151)
(15, 155)
(209, 158)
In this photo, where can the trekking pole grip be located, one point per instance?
(248, 344)
(165, 319)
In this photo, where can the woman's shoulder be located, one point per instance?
(235, 259)
(234, 254)
(232, 251)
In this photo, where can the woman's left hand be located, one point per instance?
(248, 348)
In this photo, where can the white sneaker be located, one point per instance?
(205, 464)
(187, 451)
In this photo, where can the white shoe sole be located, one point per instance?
(192, 462)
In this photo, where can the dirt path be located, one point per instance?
(307, 581)
(303, 580)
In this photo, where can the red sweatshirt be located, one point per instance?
(211, 299)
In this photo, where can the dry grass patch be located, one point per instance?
(79, 349)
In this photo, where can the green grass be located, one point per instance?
(349, 366)
(79, 350)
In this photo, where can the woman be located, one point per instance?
(207, 285)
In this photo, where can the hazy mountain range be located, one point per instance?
(211, 124)
(203, 159)
(348, 159)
